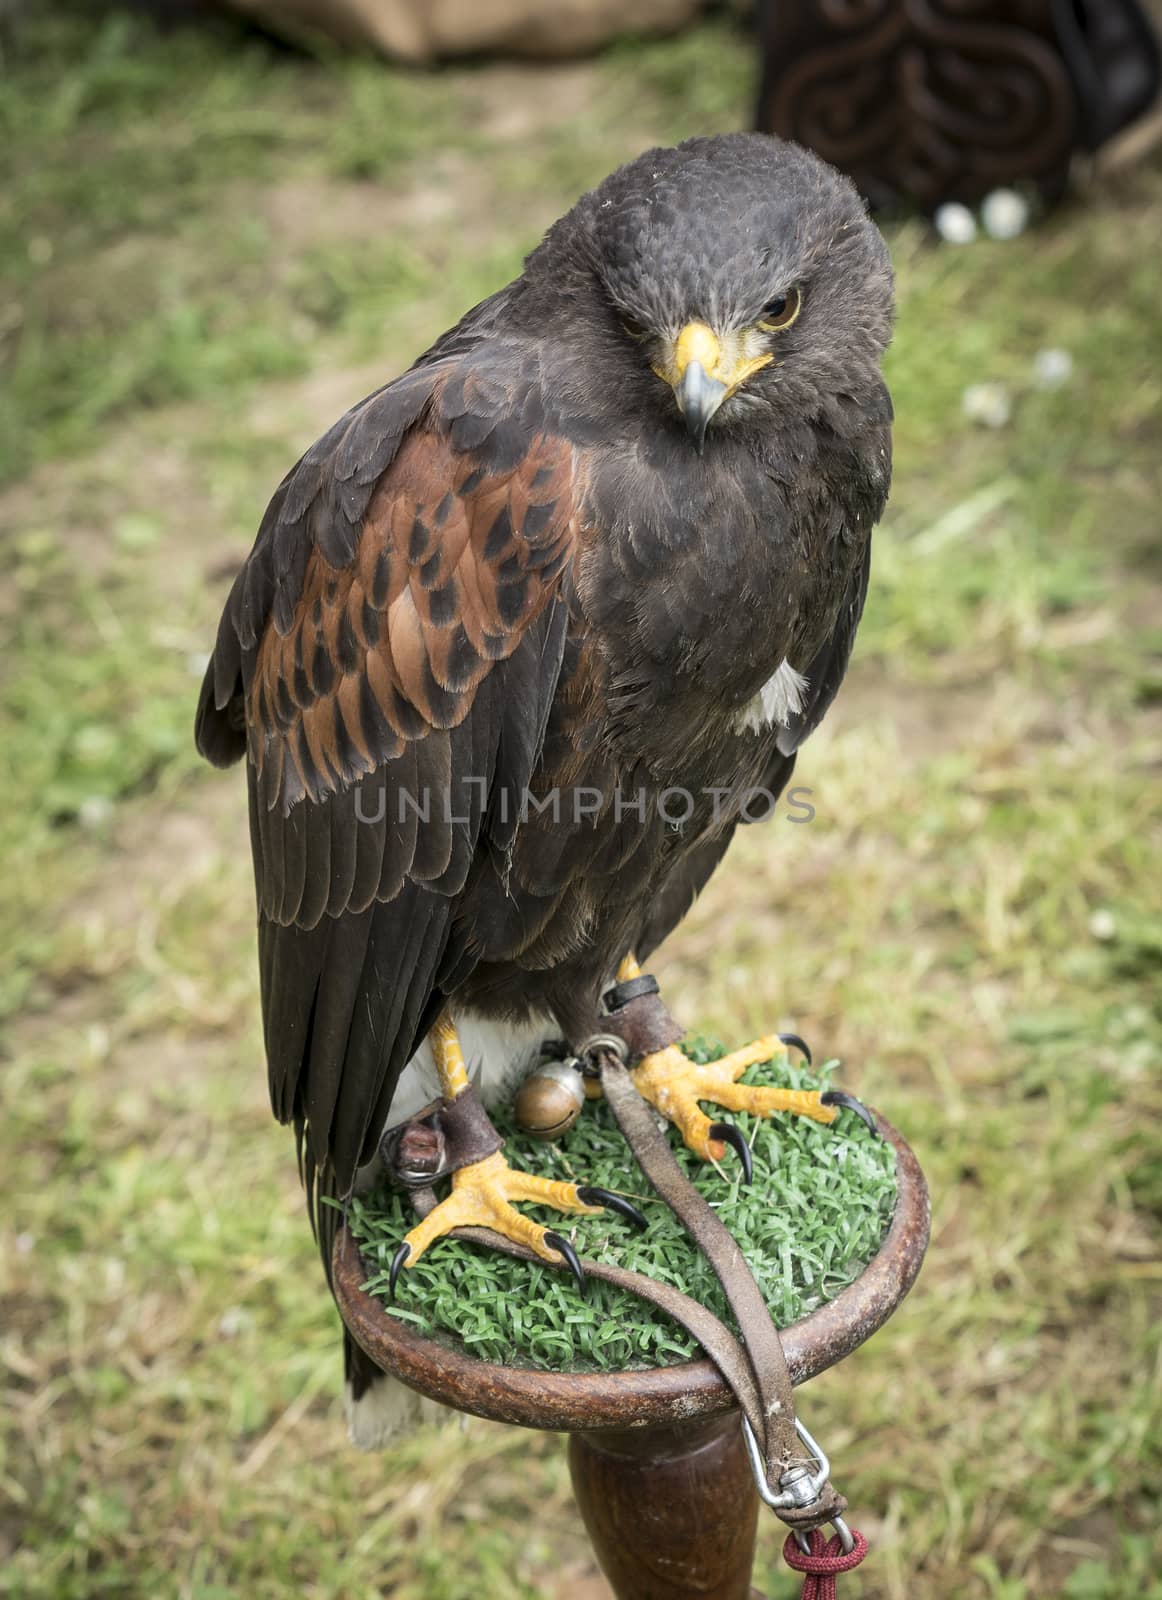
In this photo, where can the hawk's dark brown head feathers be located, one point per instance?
(716, 231)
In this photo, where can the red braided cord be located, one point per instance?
(825, 1561)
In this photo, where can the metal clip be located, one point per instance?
(846, 1537)
(601, 1044)
(799, 1486)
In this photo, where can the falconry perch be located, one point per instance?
(606, 542)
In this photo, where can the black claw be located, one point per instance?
(593, 1196)
(800, 1045)
(397, 1262)
(848, 1102)
(727, 1133)
(564, 1248)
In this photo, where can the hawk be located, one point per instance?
(524, 633)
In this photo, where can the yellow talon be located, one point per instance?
(480, 1198)
(674, 1085)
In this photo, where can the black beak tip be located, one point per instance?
(699, 397)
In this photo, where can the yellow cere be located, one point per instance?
(697, 342)
(730, 358)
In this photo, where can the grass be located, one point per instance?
(813, 1217)
(208, 251)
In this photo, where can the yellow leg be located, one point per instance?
(482, 1193)
(448, 1056)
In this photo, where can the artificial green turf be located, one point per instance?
(821, 1199)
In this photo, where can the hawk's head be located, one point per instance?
(735, 278)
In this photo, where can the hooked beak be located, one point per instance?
(704, 370)
(699, 397)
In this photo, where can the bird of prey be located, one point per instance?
(522, 634)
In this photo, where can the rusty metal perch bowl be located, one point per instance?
(652, 1396)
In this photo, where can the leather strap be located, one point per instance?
(639, 1017)
(445, 1136)
(715, 1338)
(761, 1350)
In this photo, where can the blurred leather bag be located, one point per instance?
(923, 101)
(428, 30)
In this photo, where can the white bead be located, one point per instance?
(1004, 214)
(955, 223)
(987, 403)
(1052, 368)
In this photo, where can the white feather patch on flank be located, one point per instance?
(779, 699)
(497, 1055)
(387, 1410)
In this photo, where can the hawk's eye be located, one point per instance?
(634, 329)
(781, 311)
